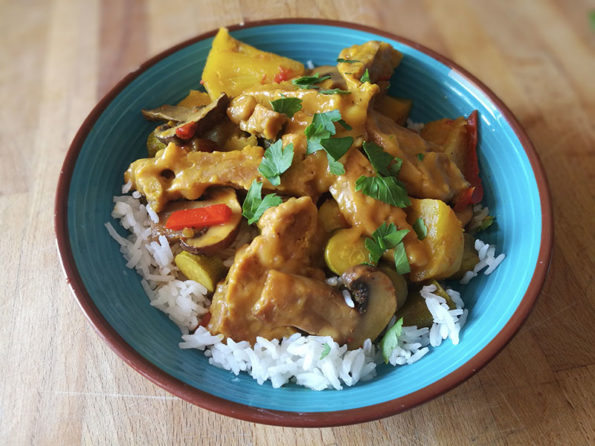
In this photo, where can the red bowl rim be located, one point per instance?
(287, 418)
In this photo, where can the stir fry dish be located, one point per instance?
(299, 198)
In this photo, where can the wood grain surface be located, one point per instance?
(60, 384)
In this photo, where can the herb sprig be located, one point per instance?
(276, 160)
(287, 106)
(254, 205)
(319, 135)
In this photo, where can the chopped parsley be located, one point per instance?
(326, 349)
(254, 206)
(420, 156)
(384, 238)
(339, 60)
(401, 262)
(420, 228)
(319, 135)
(390, 340)
(276, 161)
(486, 223)
(287, 106)
(334, 91)
(307, 82)
(365, 77)
(384, 186)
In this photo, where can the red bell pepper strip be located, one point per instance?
(204, 321)
(215, 214)
(471, 164)
(283, 74)
(186, 131)
(463, 199)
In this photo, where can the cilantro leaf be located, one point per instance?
(276, 161)
(337, 147)
(420, 228)
(420, 156)
(287, 106)
(254, 206)
(365, 77)
(386, 236)
(306, 82)
(390, 340)
(339, 60)
(334, 91)
(326, 349)
(386, 189)
(401, 262)
(381, 161)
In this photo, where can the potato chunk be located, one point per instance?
(233, 66)
(444, 239)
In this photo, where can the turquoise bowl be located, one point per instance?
(111, 296)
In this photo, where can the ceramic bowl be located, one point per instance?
(111, 295)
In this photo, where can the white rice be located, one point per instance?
(415, 126)
(316, 362)
(487, 260)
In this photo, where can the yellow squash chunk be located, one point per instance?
(345, 249)
(444, 240)
(205, 270)
(330, 217)
(233, 66)
(395, 108)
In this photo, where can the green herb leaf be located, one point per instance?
(276, 161)
(386, 236)
(287, 106)
(309, 81)
(401, 262)
(254, 206)
(386, 189)
(326, 349)
(339, 60)
(420, 156)
(390, 340)
(321, 127)
(420, 228)
(486, 223)
(382, 162)
(334, 91)
(365, 77)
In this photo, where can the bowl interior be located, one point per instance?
(118, 137)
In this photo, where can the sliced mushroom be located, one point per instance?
(218, 237)
(204, 240)
(166, 112)
(201, 119)
(375, 298)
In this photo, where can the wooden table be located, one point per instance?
(60, 384)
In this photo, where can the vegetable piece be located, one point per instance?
(396, 109)
(309, 82)
(195, 98)
(471, 171)
(339, 60)
(233, 66)
(470, 257)
(330, 217)
(205, 270)
(384, 186)
(287, 106)
(198, 122)
(383, 238)
(386, 189)
(444, 240)
(375, 298)
(276, 161)
(220, 236)
(154, 145)
(415, 311)
(420, 228)
(399, 282)
(166, 112)
(365, 77)
(390, 340)
(344, 250)
(254, 206)
(215, 214)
